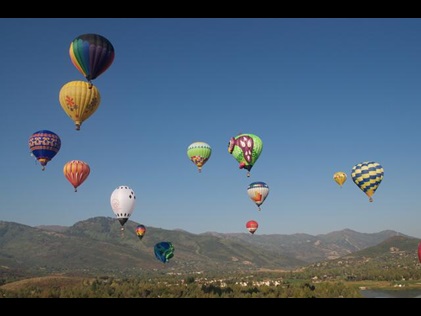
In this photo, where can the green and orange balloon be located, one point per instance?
(199, 153)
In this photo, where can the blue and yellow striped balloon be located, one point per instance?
(367, 176)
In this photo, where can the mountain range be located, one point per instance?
(99, 246)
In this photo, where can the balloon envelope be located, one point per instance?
(246, 149)
(91, 54)
(164, 251)
(258, 192)
(140, 231)
(123, 201)
(199, 153)
(79, 101)
(44, 145)
(340, 177)
(252, 226)
(76, 172)
(367, 176)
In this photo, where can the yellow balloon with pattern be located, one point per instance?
(340, 178)
(79, 99)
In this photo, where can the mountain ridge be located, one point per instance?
(98, 245)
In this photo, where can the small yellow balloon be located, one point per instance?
(340, 178)
(79, 99)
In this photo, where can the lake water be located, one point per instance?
(391, 293)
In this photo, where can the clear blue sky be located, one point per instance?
(322, 94)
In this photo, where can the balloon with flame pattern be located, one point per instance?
(258, 192)
(140, 231)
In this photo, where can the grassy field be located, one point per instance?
(50, 281)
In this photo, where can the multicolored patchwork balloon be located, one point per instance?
(199, 153)
(368, 176)
(91, 54)
(246, 149)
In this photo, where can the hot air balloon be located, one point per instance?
(199, 153)
(91, 54)
(44, 145)
(258, 192)
(246, 149)
(123, 201)
(140, 231)
(164, 251)
(79, 101)
(339, 177)
(367, 176)
(76, 172)
(252, 226)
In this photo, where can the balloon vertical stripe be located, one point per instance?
(76, 172)
(91, 54)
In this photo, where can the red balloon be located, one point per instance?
(252, 226)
